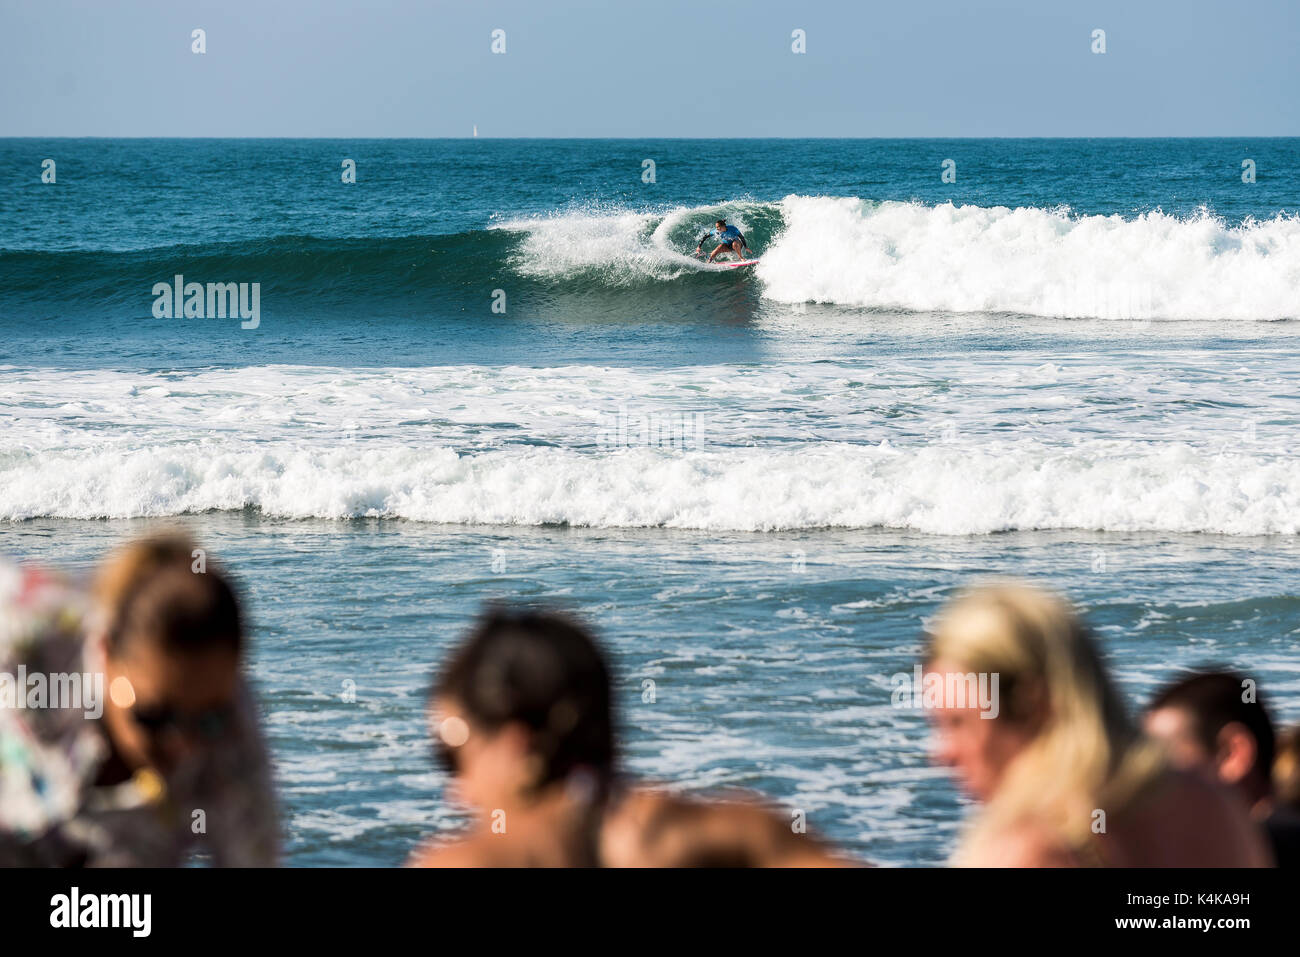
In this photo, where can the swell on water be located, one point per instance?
(305, 271)
(841, 251)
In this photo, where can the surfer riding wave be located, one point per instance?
(728, 237)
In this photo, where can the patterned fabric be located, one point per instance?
(51, 750)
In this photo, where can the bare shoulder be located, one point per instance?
(462, 851)
(650, 828)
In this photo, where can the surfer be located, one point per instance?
(728, 237)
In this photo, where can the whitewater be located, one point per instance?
(928, 429)
(855, 252)
(938, 445)
(1076, 365)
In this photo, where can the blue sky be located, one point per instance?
(665, 68)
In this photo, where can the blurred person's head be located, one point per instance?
(1215, 722)
(171, 635)
(1286, 770)
(1057, 742)
(651, 828)
(522, 706)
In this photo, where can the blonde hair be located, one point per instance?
(1086, 754)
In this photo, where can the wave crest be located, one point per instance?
(1023, 485)
(1033, 261)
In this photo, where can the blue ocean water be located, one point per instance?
(489, 368)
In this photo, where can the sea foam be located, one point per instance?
(967, 259)
(936, 488)
(949, 444)
(1032, 261)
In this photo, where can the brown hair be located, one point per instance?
(1214, 699)
(1286, 769)
(164, 589)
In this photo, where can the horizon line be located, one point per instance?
(1215, 136)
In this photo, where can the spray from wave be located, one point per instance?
(1034, 261)
(969, 259)
(621, 248)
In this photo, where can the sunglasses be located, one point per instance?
(446, 757)
(448, 737)
(208, 725)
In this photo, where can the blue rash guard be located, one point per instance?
(726, 236)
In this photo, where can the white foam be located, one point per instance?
(945, 444)
(618, 246)
(964, 259)
(1032, 261)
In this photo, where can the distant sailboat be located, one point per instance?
(476, 131)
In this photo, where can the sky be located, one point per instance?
(618, 68)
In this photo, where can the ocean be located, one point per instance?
(488, 369)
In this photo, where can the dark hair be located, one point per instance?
(720, 221)
(1215, 699)
(153, 591)
(543, 671)
(1286, 769)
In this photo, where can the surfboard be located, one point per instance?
(730, 264)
